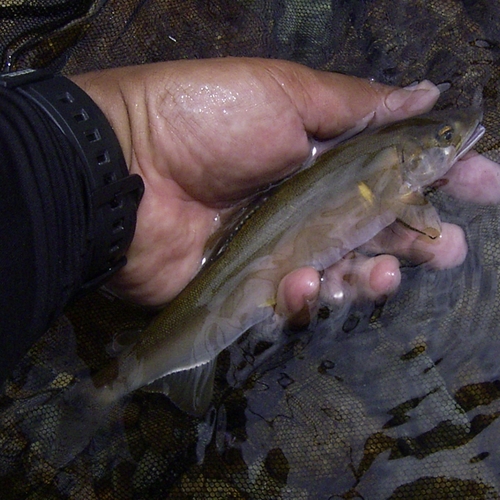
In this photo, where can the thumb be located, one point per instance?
(331, 103)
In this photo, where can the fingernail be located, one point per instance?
(443, 87)
(412, 98)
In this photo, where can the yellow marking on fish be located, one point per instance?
(413, 198)
(366, 192)
(269, 303)
(432, 232)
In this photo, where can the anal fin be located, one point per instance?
(190, 390)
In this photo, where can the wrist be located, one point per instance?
(105, 90)
(112, 194)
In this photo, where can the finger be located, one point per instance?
(447, 251)
(297, 295)
(360, 278)
(353, 278)
(331, 103)
(474, 178)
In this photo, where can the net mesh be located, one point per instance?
(398, 400)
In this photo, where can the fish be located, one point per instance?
(315, 217)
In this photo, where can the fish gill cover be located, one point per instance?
(396, 400)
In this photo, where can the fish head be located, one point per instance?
(434, 142)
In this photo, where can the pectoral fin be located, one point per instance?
(417, 213)
(190, 390)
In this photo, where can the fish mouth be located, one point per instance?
(477, 133)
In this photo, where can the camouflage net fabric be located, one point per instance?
(392, 401)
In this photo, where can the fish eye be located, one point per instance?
(445, 134)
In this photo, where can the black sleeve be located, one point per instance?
(44, 216)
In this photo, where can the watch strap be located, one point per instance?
(114, 194)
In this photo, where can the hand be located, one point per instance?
(205, 134)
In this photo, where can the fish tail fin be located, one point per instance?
(64, 426)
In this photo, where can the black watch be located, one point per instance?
(114, 194)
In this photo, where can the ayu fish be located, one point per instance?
(314, 218)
